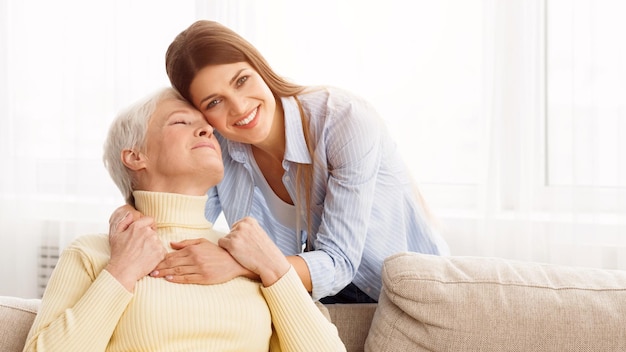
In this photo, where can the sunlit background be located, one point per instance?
(511, 114)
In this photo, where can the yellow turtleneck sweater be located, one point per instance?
(84, 308)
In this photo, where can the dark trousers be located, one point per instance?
(350, 294)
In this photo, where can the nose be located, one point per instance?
(205, 130)
(239, 105)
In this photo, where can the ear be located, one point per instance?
(133, 160)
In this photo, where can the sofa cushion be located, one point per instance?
(432, 303)
(353, 323)
(16, 317)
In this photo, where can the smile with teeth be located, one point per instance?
(248, 119)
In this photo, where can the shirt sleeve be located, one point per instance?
(299, 325)
(78, 312)
(352, 140)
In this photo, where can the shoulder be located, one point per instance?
(340, 116)
(339, 101)
(86, 253)
(329, 94)
(90, 245)
(334, 105)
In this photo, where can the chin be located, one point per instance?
(216, 177)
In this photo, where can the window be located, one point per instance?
(586, 104)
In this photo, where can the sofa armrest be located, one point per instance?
(16, 317)
(353, 323)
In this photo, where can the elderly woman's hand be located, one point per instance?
(248, 243)
(135, 251)
(122, 217)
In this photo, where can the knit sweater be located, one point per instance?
(84, 308)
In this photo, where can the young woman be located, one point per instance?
(163, 156)
(314, 165)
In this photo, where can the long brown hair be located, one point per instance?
(206, 43)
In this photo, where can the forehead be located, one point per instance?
(218, 74)
(169, 106)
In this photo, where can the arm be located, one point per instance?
(80, 308)
(296, 319)
(352, 146)
(299, 325)
(302, 269)
(90, 289)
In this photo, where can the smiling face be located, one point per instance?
(181, 154)
(236, 102)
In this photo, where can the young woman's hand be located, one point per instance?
(248, 243)
(199, 261)
(135, 251)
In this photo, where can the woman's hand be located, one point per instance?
(199, 261)
(135, 251)
(120, 214)
(248, 243)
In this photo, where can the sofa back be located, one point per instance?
(433, 303)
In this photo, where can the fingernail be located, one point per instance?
(125, 215)
(169, 277)
(154, 273)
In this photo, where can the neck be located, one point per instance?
(172, 208)
(185, 184)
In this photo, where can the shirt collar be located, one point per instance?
(295, 145)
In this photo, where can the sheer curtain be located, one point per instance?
(554, 190)
(516, 153)
(67, 68)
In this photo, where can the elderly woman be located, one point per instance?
(163, 156)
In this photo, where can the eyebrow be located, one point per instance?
(232, 80)
(169, 116)
(175, 112)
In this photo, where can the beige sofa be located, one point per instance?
(17, 314)
(432, 303)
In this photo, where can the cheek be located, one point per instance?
(215, 119)
(270, 101)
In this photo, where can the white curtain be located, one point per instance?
(517, 142)
(555, 117)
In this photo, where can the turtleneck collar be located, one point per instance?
(170, 209)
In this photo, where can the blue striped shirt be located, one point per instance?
(364, 208)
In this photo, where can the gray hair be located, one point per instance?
(128, 131)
